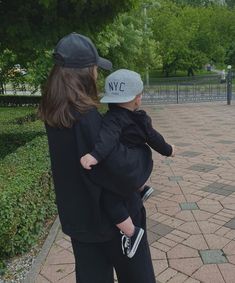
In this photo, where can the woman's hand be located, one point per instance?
(87, 161)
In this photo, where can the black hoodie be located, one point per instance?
(132, 128)
(79, 191)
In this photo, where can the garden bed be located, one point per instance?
(26, 189)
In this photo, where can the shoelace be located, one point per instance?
(125, 243)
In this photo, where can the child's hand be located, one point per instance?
(173, 151)
(87, 161)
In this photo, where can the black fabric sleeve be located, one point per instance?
(158, 143)
(109, 136)
(87, 130)
(125, 170)
(155, 140)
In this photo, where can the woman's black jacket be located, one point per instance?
(79, 191)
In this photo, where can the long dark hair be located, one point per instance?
(66, 90)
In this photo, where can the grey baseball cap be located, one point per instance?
(122, 86)
(78, 51)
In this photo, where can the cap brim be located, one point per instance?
(116, 99)
(104, 64)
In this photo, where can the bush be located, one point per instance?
(27, 197)
(31, 117)
(19, 100)
(17, 128)
(9, 113)
(15, 136)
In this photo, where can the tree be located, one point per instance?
(37, 71)
(29, 26)
(128, 43)
(230, 3)
(190, 36)
(7, 62)
(204, 3)
(175, 35)
(230, 55)
(30, 29)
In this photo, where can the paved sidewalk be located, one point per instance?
(191, 214)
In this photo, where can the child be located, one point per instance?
(126, 124)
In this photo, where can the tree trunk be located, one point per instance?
(2, 89)
(190, 72)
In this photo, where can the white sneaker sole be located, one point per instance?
(136, 244)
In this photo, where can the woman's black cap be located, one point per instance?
(78, 51)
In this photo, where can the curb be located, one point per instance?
(38, 263)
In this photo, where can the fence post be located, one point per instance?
(177, 93)
(229, 85)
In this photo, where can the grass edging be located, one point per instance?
(40, 259)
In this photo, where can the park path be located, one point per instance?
(191, 214)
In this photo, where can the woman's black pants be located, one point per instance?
(95, 261)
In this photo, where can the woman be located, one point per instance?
(72, 121)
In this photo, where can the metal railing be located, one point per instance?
(185, 93)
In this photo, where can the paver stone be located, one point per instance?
(209, 274)
(186, 265)
(228, 272)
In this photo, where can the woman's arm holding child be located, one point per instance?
(108, 138)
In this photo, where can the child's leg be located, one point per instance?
(127, 227)
(115, 207)
(141, 188)
(118, 213)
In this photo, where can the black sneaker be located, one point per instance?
(130, 244)
(146, 193)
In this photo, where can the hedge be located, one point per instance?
(16, 136)
(8, 113)
(19, 100)
(17, 128)
(26, 196)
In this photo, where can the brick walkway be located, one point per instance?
(191, 215)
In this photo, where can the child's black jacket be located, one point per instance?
(132, 128)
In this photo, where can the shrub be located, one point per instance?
(15, 136)
(19, 100)
(26, 196)
(17, 128)
(9, 113)
(31, 117)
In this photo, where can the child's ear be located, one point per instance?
(136, 101)
(138, 98)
